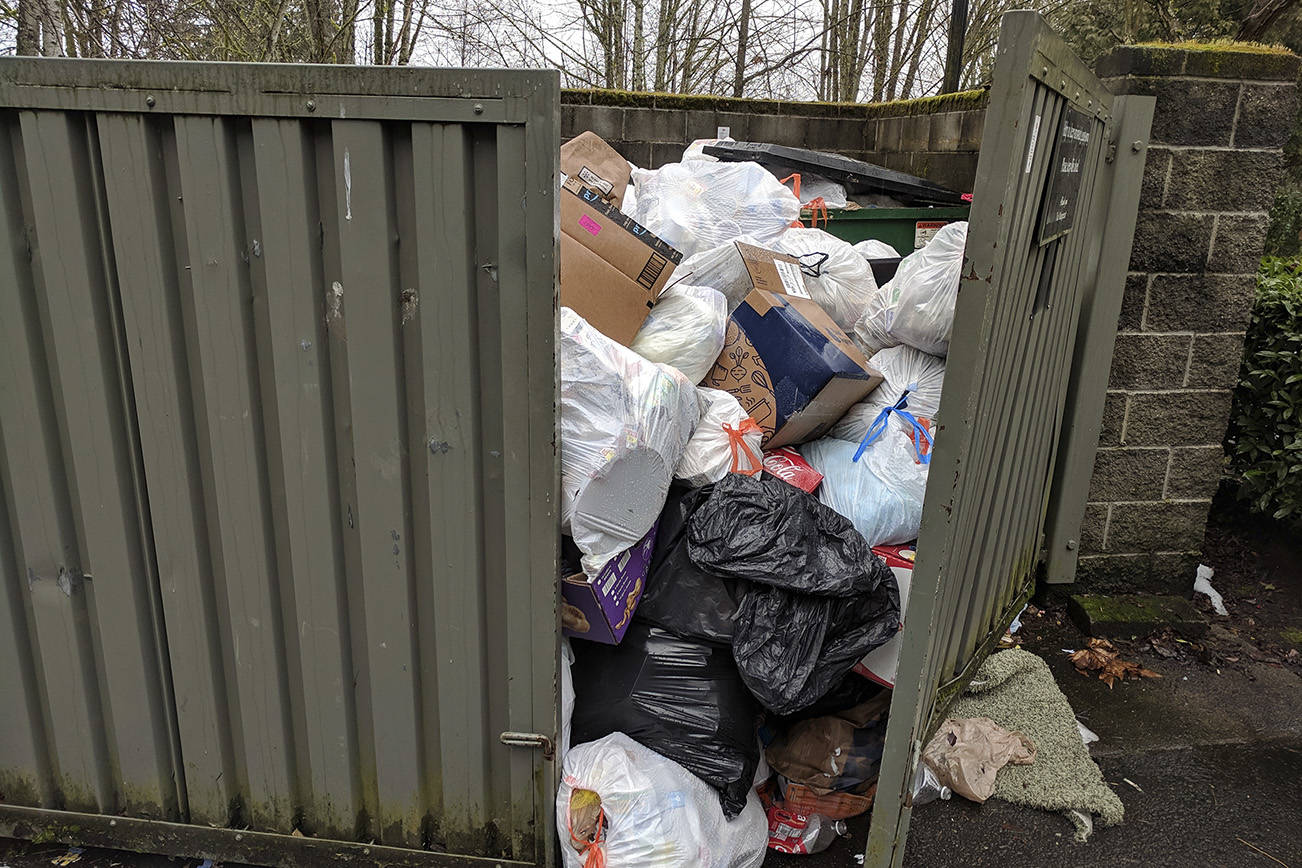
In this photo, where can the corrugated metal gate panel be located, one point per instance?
(1010, 359)
(278, 435)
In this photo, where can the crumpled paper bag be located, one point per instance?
(967, 753)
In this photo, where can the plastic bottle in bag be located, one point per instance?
(790, 832)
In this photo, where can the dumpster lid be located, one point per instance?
(856, 175)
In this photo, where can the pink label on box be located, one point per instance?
(589, 224)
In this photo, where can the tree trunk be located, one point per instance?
(743, 36)
(639, 45)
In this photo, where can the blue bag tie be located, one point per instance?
(878, 428)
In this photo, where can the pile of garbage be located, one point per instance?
(747, 420)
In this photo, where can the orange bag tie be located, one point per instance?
(794, 177)
(737, 443)
(593, 854)
(817, 208)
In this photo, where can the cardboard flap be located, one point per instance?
(596, 165)
(818, 416)
(772, 271)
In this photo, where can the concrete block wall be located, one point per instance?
(935, 138)
(1214, 160)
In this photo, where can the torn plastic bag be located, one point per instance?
(882, 492)
(836, 752)
(679, 697)
(725, 440)
(681, 597)
(685, 329)
(624, 424)
(837, 278)
(640, 810)
(817, 599)
(917, 306)
(698, 205)
(695, 151)
(902, 367)
(721, 268)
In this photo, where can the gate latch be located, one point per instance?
(535, 740)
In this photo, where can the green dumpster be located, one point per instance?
(905, 229)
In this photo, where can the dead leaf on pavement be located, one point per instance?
(1100, 656)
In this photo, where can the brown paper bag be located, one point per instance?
(966, 754)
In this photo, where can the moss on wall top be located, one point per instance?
(1213, 59)
(963, 101)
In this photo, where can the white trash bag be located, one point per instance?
(901, 367)
(721, 268)
(817, 187)
(685, 328)
(882, 492)
(698, 205)
(696, 150)
(917, 306)
(721, 440)
(871, 248)
(837, 278)
(646, 811)
(624, 423)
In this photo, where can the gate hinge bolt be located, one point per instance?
(479, 108)
(150, 101)
(1136, 146)
(1071, 545)
(311, 105)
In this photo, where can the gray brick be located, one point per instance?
(655, 125)
(1104, 573)
(1216, 361)
(1160, 526)
(1195, 472)
(1153, 186)
(1149, 361)
(664, 152)
(1223, 180)
(1266, 66)
(1092, 526)
(701, 124)
(915, 131)
(973, 126)
(888, 135)
(1139, 60)
(1189, 112)
(1114, 412)
(839, 135)
(1238, 244)
(1171, 242)
(1267, 113)
(1186, 418)
(1173, 572)
(568, 130)
(637, 153)
(779, 130)
(738, 125)
(1128, 474)
(1132, 302)
(1199, 302)
(605, 121)
(945, 131)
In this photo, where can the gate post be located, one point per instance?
(1135, 513)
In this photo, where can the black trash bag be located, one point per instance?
(679, 596)
(681, 698)
(819, 599)
(850, 690)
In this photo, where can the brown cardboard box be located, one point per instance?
(784, 359)
(612, 269)
(597, 166)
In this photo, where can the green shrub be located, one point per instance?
(1284, 233)
(1264, 441)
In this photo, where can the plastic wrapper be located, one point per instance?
(882, 492)
(682, 698)
(871, 248)
(917, 306)
(685, 329)
(817, 187)
(815, 598)
(837, 278)
(567, 697)
(721, 268)
(698, 205)
(696, 150)
(624, 424)
(725, 440)
(681, 597)
(646, 811)
(902, 367)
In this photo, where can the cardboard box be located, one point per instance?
(880, 663)
(601, 609)
(784, 359)
(596, 165)
(612, 269)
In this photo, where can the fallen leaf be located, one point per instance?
(1101, 656)
(1269, 587)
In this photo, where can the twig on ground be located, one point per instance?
(1261, 851)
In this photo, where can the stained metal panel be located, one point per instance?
(1010, 362)
(278, 449)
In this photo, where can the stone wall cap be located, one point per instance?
(1230, 60)
(968, 100)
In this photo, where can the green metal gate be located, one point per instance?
(278, 460)
(1051, 224)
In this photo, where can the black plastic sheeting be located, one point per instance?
(816, 598)
(679, 697)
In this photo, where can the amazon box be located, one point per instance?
(784, 359)
(612, 268)
(601, 609)
(597, 166)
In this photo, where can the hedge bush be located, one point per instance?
(1264, 441)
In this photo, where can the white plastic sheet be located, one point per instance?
(817, 187)
(696, 150)
(656, 813)
(902, 368)
(698, 205)
(837, 278)
(720, 268)
(709, 454)
(624, 423)
(873, 249)
(685, 328)
(917, 306)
